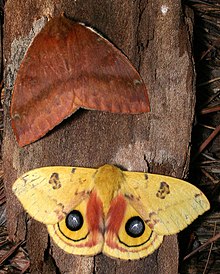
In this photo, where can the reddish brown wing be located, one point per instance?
(69, 66)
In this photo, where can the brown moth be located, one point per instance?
(69, 66)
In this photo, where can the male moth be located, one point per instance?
(122, 214)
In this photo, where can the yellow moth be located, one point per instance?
(122, 214)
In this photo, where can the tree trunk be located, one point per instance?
(154, 37)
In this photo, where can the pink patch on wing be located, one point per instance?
(94, 217)
(114, 219)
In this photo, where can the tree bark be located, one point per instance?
(154, 37)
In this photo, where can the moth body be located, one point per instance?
(107, 183)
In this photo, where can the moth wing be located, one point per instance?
(88, 238)
(167, 204)
(49, 193)
(121, 244)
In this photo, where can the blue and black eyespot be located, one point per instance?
(135, 227)
(74, 220)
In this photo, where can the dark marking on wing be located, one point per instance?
(163, 191)
(129, 196)
(153, 220)
(55, 181)
(197, 195)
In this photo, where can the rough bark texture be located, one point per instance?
(154, 37)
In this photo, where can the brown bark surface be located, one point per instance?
(155, 39)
